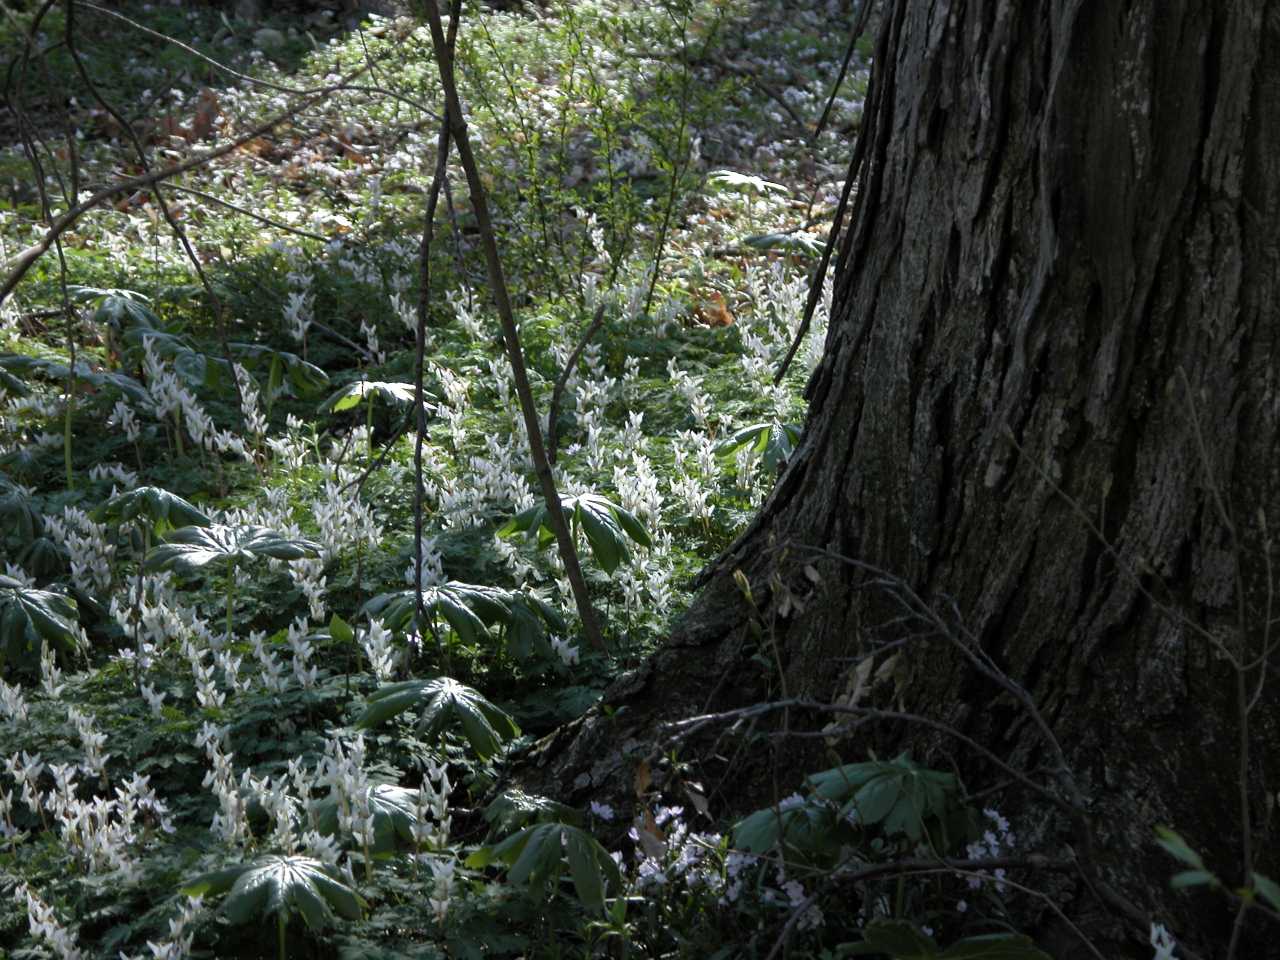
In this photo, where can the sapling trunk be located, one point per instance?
(510, 333)
(280, 925)
(231, 593)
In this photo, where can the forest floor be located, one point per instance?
(207, 457)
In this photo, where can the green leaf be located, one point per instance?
(191, 549)
(306, 378)
(1268, 889)
(994, 946)
(606, 525)
(796, 241)
(1192, 878)
(536, 857)
(340, 630)
(899, 939)
(444, 701)
(514, 808)
(394, 810)
(469, 608)
(773, 440)
(280, 885)
(165, 511)
(29, 615)
(744, 183)
(1175, 846)
(353, 393)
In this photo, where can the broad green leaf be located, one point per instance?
(1268, 889)
(191, 549)
(1176, 847)
(536, 856)
(994, 946)
(469, 608)
(744, 183)
(306, 377)
(1192, 878)
(900, 939)
(56, 370)
(29, 615)
(444, 701)
(796, 242)
(280, 885)
(605, 524)
(164, 511)
(773, 441)
(353, 393)
(340, 630)
(394, 810)
(514, 808)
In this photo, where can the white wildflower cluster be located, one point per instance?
(290, 450)
(299, 308)
(343, 519)
(303, 649)
(996, 841)
(271, 673)
(433, 821)
(88, 546)
(177, 946)
(154, 616)
(1162, 942)
(116, 473)
(255, 420)
(432, 566)
(13, 706)
(377, 646)
(485, 485)
(690, 388)
(45, 926)
(695, 481)
(467, 314)
(674, 853)
(50, 676)
(123, 418)
(231, 819)
(171, 400)
(92, 743)
(342, 771)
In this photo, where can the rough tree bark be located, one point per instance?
(1048, 403)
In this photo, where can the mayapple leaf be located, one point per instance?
(191, 549)
(280, 885)
(1176, 847)
(29, 616)
(444, 701)
(353, 393)
(535, 856)
(394, 810)
(164, 511)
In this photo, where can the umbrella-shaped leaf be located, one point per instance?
(444, 701)
(351, 395)
(28, 616)
(116, 306)
(744, 183)
(514, 808)
(306, 377)
(19, 512)
(773, 441)
(280, 885)
(394, 810)
(469, 608)
(190, 549)
(163, 510)
(56, 370)
(605, 524)
(536, 856)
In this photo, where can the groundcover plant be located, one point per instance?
(282, 588)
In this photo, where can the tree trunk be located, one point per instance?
(1048, 408)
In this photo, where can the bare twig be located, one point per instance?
(557, 393)
(20, 263)
(511, 334)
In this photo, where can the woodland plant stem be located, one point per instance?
(511, 335)
(438, 180)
